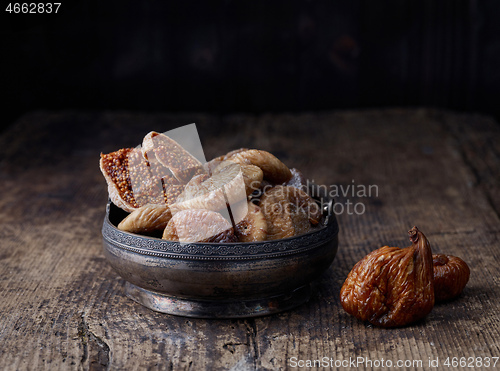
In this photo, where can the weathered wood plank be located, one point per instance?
(63, 307)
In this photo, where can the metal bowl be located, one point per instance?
(215, 280)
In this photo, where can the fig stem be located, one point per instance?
(413, 234)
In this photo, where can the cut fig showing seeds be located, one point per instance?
(129, 178)
(134, 181)
(190, 226)
(114, 167)
(147, 187)
(172, 155)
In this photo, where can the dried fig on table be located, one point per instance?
(199, 226)
(146, 219)
(392, 287)
(288, 211)
(451, 275)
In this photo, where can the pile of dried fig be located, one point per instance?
(392, 287)
(244, 196)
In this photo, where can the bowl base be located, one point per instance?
(217, 308)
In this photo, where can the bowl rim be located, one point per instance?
(153, 246)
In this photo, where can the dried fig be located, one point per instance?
(451, 274)
(199, 226)
(173, 192)
(131, 183)
(149, 180)
(274, 170)
(224, 187)
(252, 175)
(134, 181)
(276, 209)
(171, 155)
(170, 184)
(303, 203)
(288, 211)
(146, 219)
(114, 167)
(253, 227)
(213, 163)
(392, 287)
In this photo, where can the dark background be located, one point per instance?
(252, 56)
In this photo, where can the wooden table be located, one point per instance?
(63, 307)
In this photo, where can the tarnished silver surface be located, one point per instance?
(216, 280)
(217, 308)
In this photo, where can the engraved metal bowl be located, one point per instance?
(219, 280)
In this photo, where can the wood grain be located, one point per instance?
(63, 307)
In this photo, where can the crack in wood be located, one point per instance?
(252, 342)
(231, 346)
(82, 334)
(95, 350)
(67, 323)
